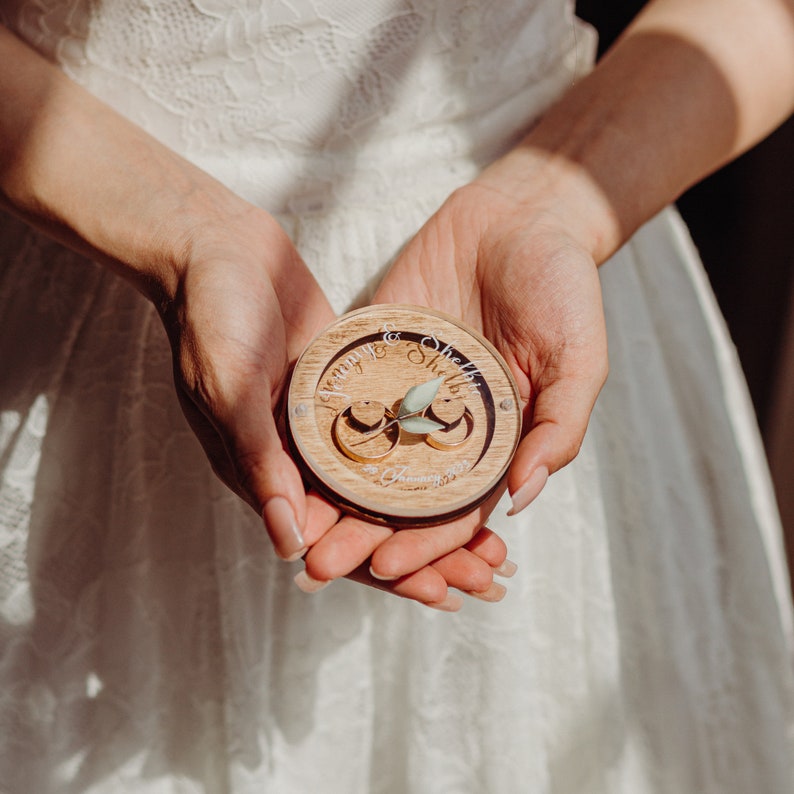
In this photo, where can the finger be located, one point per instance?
(338, 548)
(426, 586)
(269, 475)
(465, 571)
(560, 416)
(321, 516)
(265, 475)
(410, 549)
(345, 547)
(487, 545)
(461, 569)
(352, 541)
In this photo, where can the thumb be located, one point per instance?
(266, 474)
(246, 452)
(559, 419)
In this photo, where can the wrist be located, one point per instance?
(545, 185)
(196, 222)
(87, 176)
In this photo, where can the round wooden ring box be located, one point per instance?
(402, 415)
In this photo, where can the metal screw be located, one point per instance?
(506, 404)
(301, 409)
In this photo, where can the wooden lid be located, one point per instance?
(403, 415)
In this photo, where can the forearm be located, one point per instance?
(73, 167)
(689, 86)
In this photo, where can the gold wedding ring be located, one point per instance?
(436, 442)
(389, 422)
(347, 449)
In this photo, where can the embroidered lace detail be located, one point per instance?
(336, 92)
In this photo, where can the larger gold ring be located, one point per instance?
(347, 450)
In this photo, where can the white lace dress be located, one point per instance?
(149, 639)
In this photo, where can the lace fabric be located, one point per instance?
(151, 642)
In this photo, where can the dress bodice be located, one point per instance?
(310, 87)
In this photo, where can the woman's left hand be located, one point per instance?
(507, 265)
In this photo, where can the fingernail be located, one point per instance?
(381, 576)
(529, 490)
(452, 603)
(283, 528)
(308, 584)
(506, 569)
(496, 592)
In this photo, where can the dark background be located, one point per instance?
(742, 221)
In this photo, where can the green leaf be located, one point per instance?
(418, 397)
(418, 424)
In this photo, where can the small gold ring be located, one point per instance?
(432, 439)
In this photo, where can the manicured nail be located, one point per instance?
(452, 603)
(529, 490)
(381, 577)
(506, 569)
(283, 528)
(496, 592)
(308, 584)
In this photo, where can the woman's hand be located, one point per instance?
(502, 257)
(515, 253)
(245, 309)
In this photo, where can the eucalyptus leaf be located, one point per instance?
(419, 424)
(418, 397)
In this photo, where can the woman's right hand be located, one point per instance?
(245, 307)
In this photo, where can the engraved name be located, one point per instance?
(352, 363)
(429, 353)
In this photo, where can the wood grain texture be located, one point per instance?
(357, 440)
